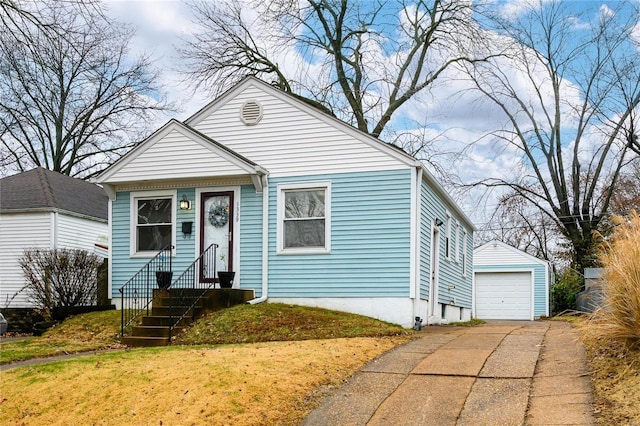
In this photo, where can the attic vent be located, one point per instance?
(251, 113)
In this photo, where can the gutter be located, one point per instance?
(265, 243)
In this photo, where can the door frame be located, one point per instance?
(234, 222)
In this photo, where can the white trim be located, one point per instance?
(146, 195)
(434, 275)
(110, 251)
(281, 188)
(236, 223)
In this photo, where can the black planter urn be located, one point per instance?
(226, 278)
(163, 278)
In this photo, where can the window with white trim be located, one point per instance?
(304, 219)
(153, 224)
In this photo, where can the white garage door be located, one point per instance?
(503, 295)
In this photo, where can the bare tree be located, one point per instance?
(361, 61)
(71, 100)
(570, 119)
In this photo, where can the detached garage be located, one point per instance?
(509, 283)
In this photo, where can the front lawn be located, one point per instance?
(86, 332)
(278, 379)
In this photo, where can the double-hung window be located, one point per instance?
(304, 219)
(153, 222)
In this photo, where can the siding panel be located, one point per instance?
(283, 148)
(365, 261)
(17, 233)
(454, 288)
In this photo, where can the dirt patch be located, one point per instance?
(262, 383)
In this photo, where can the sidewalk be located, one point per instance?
(502, 373)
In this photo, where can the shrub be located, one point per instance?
(564, 291)
(60, 277)
(620, 315)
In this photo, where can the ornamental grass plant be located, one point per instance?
(619, 318)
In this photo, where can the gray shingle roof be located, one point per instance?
(44, 189)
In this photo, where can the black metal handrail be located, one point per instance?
(190, 286)
(136, 295)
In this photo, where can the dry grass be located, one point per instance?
(615, 374)
(620, 317)
(250, 384)
(612, 335)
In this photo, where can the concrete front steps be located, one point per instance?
(153, 330)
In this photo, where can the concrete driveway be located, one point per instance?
(501, 373)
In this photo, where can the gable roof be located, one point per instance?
(499, 245)
(42, 189)
(308, 108)
(201, 146)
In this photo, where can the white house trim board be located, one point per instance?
(281, 189)
(133, 196)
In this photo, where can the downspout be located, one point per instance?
(265, 243)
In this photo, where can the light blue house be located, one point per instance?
(509, 283)
(305, 210)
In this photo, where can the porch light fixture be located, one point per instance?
(185, 204)
(439, 223)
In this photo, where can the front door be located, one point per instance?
(216, 224)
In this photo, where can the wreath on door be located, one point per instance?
(218, 215)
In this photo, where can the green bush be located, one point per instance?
(564, 291)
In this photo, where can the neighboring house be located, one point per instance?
(509, 283)
(306, 209)
(45, 209)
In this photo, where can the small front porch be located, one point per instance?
(158, 301)
(168, 316)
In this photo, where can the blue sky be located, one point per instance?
(160, 24)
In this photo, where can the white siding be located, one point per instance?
(17, 232)
(289, 141)
(22, 231)
(498, 254)
(176, 155)
(77, 233)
